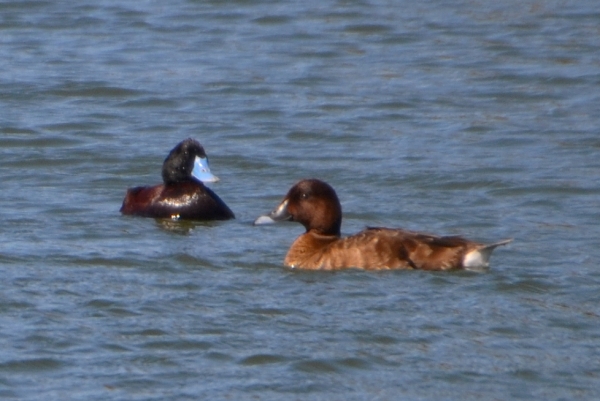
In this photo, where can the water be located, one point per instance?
(477, 118)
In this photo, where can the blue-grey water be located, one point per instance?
(478, 118)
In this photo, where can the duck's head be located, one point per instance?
(185, 162)
(312, 203)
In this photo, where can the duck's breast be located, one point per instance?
(369, 249)
(187, 200)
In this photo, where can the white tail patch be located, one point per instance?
(479, 259)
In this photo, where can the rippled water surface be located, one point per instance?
(477, 118)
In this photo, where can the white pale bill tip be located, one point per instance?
(262, 220)
(201, 170)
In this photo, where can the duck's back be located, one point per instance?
(379, 249)
(186, 200)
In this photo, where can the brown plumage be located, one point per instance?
(315, 205)
(182, 195)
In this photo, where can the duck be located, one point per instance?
(182, 195)
(315, 204)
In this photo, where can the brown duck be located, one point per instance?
(315, 205)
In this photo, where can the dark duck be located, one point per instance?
(182, 195)
(315, 205)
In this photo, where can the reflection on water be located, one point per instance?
(182, 227)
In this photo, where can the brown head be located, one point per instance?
(314, 204)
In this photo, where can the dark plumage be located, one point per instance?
(182, 194)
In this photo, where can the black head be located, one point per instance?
(179, 164)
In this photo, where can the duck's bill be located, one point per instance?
(279, 214)
(201, 170)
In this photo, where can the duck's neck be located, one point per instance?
(192, 180)
(328, 230)
(306, 246)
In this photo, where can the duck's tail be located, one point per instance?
(478, 259)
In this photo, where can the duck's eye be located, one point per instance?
(304, 195)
